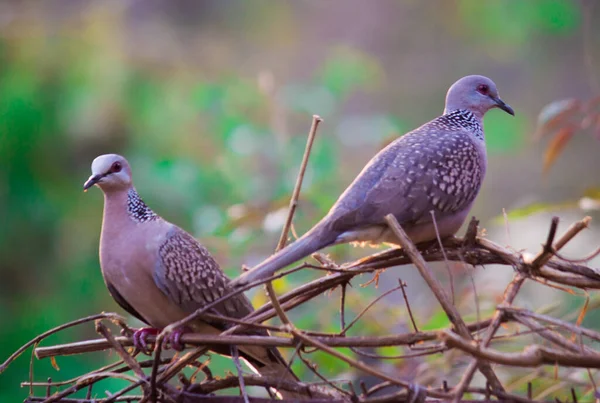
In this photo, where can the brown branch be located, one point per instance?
(312, 368)
(532, 356)
(127, 359)
(130, 398)
(509, 295)
(592, 334)
(173, 369)
(546, 267)
(197, 339)
(555, 337)
(296, 193)
(57, 329)
(366, 308)
(439, 293)
(311, 341)
(515, 285)
(292, 209)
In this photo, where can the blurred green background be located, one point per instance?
(211, 101)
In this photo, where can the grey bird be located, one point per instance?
(160, 274)
(438, 167)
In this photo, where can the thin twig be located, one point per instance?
(532, 356)
(290, 216)
(366, 308)
(313, 369)
(410, 314)
(157, 359)
(198, 339)
(580, 260)
(592, 334)
(515, 285)
(127, 359)
(441, 245)
(56, 329)
(296, 192)
(555, 337)
(236, 360)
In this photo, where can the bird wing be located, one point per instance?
(191, 278)
(422, 171)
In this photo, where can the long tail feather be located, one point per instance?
(317, 238)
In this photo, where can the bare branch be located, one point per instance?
(532, 356)
(439, 293)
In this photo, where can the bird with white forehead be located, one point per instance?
(160, 274)
(431, 173)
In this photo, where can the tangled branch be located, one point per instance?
(476, 340)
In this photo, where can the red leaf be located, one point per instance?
(556, 146)
(555, 115)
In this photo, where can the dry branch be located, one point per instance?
(547, 267)
(440, 294)
(532, 356)
(477, 250)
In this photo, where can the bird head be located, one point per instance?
(111, 172)
(477, 94)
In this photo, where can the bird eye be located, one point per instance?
(483, 89)
(116, 167)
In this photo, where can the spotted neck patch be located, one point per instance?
(137, 209)
(462, 118)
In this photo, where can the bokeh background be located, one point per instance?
(211, 102)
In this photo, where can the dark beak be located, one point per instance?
(502, 105)
(92, 181)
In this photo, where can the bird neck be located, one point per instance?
(137, 209)
(468, 114)
(128, 203)
(467, 119)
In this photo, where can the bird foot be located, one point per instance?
(174, 338)
(140, 338)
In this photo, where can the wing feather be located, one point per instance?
(412, 176)
(188, 274)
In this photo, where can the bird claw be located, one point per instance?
(174, 338)
(140, 339)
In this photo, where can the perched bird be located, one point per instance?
(160, 274)
(438, 167)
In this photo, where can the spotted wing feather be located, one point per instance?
(188, 274)
(427, 169)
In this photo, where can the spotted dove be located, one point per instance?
(434, 171)
(159, 273)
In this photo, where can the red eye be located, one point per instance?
(116, 167)
(483, 88)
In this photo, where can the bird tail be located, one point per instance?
(317, 238)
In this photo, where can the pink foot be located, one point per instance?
(174, 339)
(140, 338)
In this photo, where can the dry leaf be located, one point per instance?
(54, 363)
(555, 115)
(583, 311)
(557, 145)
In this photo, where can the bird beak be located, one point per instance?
(92, 181)
(502, 105)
